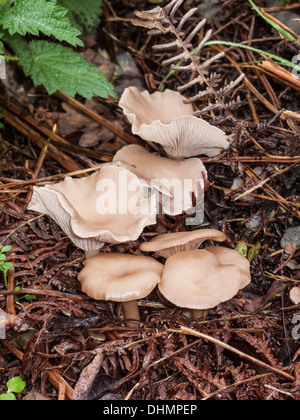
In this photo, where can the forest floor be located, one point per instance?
(244, 349)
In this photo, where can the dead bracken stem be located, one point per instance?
(189, 331)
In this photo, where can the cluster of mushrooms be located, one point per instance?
(190, 278)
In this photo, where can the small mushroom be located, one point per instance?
(295, 295)
(121, 278)
(196, 280)
(106, 207)
(171, 243)
(177, 182)
(164, 118)
(231, 256)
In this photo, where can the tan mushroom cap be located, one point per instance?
(164, 118)
(171, 243)
(231, 256)
(178, 180)
(197, 280)
(91, 210)
(295, 295)
(120, 277)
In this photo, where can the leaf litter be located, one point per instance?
(62, 336)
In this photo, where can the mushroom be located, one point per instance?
(106, 207)
(231, 256)
(164, 118)
(295, 295)
(177, 182)
(198, 281)
(171, 243)
(121, 278)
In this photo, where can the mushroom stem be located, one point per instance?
(195, 314)
(91, 254)
(161, 217)
(131, 311)
(198, 315)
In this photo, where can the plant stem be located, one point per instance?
(5, 279)
(257, 50)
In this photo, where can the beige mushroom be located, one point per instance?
(196, 280)
(106, 207)
(295, 295)
(121, 278)
(177, 182)
(231, 256)
(164, 118)
(171, 243)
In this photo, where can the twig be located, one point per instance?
(265, 181)
(68, 163)
(189, 331)
(54, 377)
(53, 293)
(96, 117)
(41, 161)
(245, 381)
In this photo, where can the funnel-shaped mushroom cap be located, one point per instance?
(120, 277)
(171, 243)
(175, 180)
(197, 280)
(164, 118)
(295, 295)
(230, 256)
(108, 206)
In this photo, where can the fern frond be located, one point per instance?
(230, 106)
(184, 55)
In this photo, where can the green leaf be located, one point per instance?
(29, 297)
(16, 385)
(6, 248)
(58, 67)
(37, 16)
(4, 4)
(7, 266)
(254, 251)
(242, 248)
(85, 15)
(7, 397)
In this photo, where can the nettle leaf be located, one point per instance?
(1, 44)
(37, 16)
(57, 67)
(4, 4)
(85, 15)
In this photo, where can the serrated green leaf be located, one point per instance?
(1, 46)
(37, 16)
(4, 3)
(57, 67)
(16, 385)
(85, 15)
